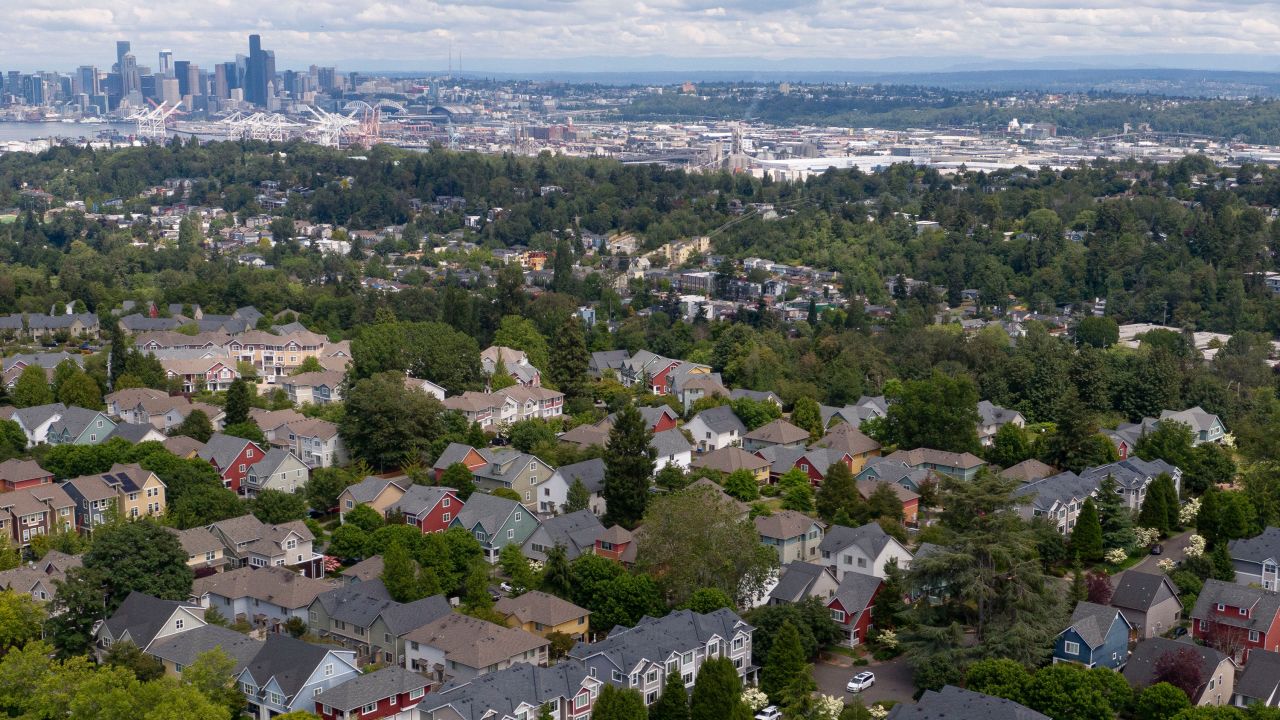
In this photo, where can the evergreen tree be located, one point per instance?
(673, 703)
(569, 360)
(1155, 509)
(1223, 569)
(1172, 504)
(557, 576)
(1114, 515)
(1086, 537)
(119, 351)
(196, 425)
(785, 661)
(1079, 588)
(400, 573)
(579, 497)
(1207, 520)
(459, 477)
(889, 604)
(628, 468)
(717, 694)
(839, 492)
(807, 415)
(237, 406)
(615, 703)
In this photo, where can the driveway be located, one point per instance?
(1175, 548)
(893, 679)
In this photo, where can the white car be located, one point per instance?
(770, 713)
(861, 681)
(506, 587)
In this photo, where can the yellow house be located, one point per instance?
(378, 493)
(846, 439)
(139, 492)
(204, 550)
(542, 614)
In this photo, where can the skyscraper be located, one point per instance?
(122, 49)
(130, 80)
(259, 73)
(182, 71)
(86, 80)
(166, 63)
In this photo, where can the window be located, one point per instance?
(316, 692)
(617, 676)
(1221, 607)
(290, 544)
(527, 496)
(328, 670)
(241, 467)
(738, 643)
(445, 517)
(415, 694)
(737, 663)
(580, 701)
(177, 624)
(518, 516)
(837, 615)
(651, 697)
(511, 534)
(687, 658)
(350, 504)
(687, 678)
(652, 676)
(1244, 611)
(862, 562)
(1253, 636)
(592, 672)
(1072, 648)
(446, 502)
(368, 709)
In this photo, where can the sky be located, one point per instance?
(614, 34)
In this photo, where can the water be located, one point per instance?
(23, 131)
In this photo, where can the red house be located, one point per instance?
(20, 474)
(231, 457)
(813, 462)
(850, 606)
(659, 418)
(459, 453)
(428, 508)
(618, 544)
(391, 692)
(1235, 619)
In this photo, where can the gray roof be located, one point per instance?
(44, 360)
(784, 457)
(870, 538)
(795, 581)
(473, 642)
(1260, 679)
(272, 460)
(420, 498)
(856, 591)
(454, 453)
(1141, 668)
(368, 689)
(1092, 622)
(221, 449)
(184, 647)
(576, 531)
(1136, 590)
(403, 618)
(607, 360)
(32, 417)
(1062, 488)
(721, 419)
(75, 420)
(1131, 474)
(590, 472)
(991, 414)
(487, 511)
(359, 604)
(670, 442)
(757, 395)
(1264, 546)
(1263, 604)
(503, 691)
(1028, 470)
(953, 703)
(133, 432)
(288, 660)
(142, 616)
(367, 489)
(655, 639)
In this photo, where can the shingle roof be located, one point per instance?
(795, 581)
(670, 442)
(197, 540)
(474, 642)
(846, 438)
(370, 688)
(1092, 622)
(1260, 678)
(655, 639)
(721, 419)
(577, 531)
(505, 690)
(1141, 668)
(757, 395)
(923, 456)
(1028, 471)
(539, 607)
(1137, 590)
(953, 703)
(419, 499)
(142, 616)
(358, 604)
(365, 570)
(368, 489)
(784, 524)
(487, 511)
(221, 449)
(728, 459)
(131, 432)
(453, 453)
(590, 472)
(286, 659)
(184, 647)
(275, 585)
(1264, 546)
(778, 432)
(1263, 604)
(856, 591)
(870, 538)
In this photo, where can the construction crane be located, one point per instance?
(150, 122)
(328, 128)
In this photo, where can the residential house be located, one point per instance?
(364, 571)
(716, 428)
(618, 544)
(671, 447)
(554, 493)
(288, 674)
(864, 550)
(520, 691)
(134, 433)
(953, 703)
(35, 510)
(647, 369)
(794, 535)
(129, 490)
(1217, 673)
(182, 446)
(576, 532)
(691, 387)
(855, 414)
(533, 403)
(1236, 619)
(1149, 602)
(514, 362)
(425, 386)
(1133, 477)
(993, 417)
(391, 693)
(1257, 559)
(316, 442)
(1058, 498)
(851, 606)
(231, 457)
(1098, 636)
(519, 472)
(249, 541)
(279, 469)
(122, 402)
(205, 554)
(431, 509)
(266, 597)
(79, 426)
(1259, 682)
(38, 578)
(495, 522)
(362, 616)
(961, 466)
(812, 461)
(1028, 471)
(461, 647)
(798, 580)
(22, 474)
(850, 443)
(481, 409)
(910, 500)
(275, 423)
(543, 614)
(459, 454)
(195, 374)
(727, 460)
(1205, 426)
(319, 388)
(756, 395)
(142, 619)
(379, 493)
(640, 658)
(606, 361)
(36, 420)
(774, 433)
(179, 651)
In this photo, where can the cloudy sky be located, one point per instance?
(516, 34)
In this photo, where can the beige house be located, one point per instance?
(204, 550)
(378, 493)
(542, 614)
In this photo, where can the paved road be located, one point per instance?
(893, 679)
(1175, 548)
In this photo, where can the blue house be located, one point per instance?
(1098, 636)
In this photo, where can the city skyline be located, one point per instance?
(504, 35)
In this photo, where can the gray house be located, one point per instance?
(363, 617)
(287, 674)
(1259, 682)
(953, 702)
(496, 522)
(79, 426)
(1149, 601)
(1256, 559)
(576, 532)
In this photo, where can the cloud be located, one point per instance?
(420, 33)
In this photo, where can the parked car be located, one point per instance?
(1157, 549)
(861, 681)
(770, 713)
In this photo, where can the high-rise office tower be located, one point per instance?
(166, 63)
(327, 78)
(130, 79)
(86, 80)
(182, 71)
(260, 72)
(122, 49)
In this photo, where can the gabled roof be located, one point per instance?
(1063, 488)
(720, 420)
(369, 688)
(474, 642)
(953, 703)
(365, 570)
(402, 618)
(848, 439)
(142, 616)
(1260, 547)
(871, 539)
(288, 660)
(796, 580)
(222, 450)
(655, 639)
(454, 453)
(778, 432)
(785, 524)
(75, 420)
(272, 461)
(1141, 668)
(134, 433)
(419, 499)
(368, 489)
(991, 414)
(728, 459)
(670, 442)
(539, 607)
(757, 395)
(1132, 473)
(487, 511)
(1028, 471)
(1137, 590)
(184, 647)
(576, 531)
(33, 417)
(181, 445)
(16, 471)
(590, 472)
(1196, 418)
(929, 456)
(1260, 679)
(856, 591)
(1092, 622)
(504, 691)
(197, 540)
(275, 585)
(1262, 604)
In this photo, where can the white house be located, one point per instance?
(671, 447)
(716, 428)
(866, 550)
(279, 470)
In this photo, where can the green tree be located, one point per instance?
(276, 507)
(1072, 692)
(348, 541)
(628, 468)
(1099, 332)
(459, 477)
(1086, 537)
(325, 485)
(32, 388)
(1169, 441)
(1075, 443)
(569, 360)
(998, 677)
(742, 485)
(1159, 701)
(806, 415)
(519, 333)
(247, 431)
(673, 703)
(786, 660)
(516, 567)
(1114, 515)
(526, 435)
(1155, 509)
(139, 556)
(213, 675)
(717, 693)
(127, 655)
(707, 600)
(387, 424)
(578, 498)
(940, 412)
(80, 390)
(1010, 446)
(755, 413)
(239, 396)
(618, 704)
(364, 517)
(400, 574)
(195, 425)
(839, 492)
(21, 619)
(557, 577)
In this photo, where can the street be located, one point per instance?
(893, 679)
(1175, 548)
